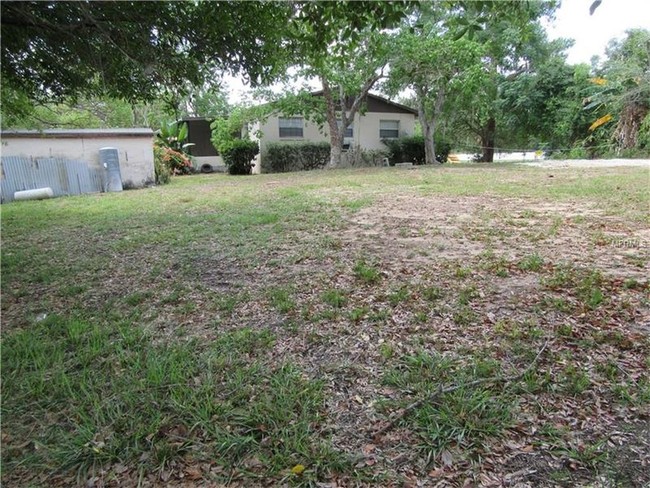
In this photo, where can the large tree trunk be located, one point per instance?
(488, 138)
(336, 132)
(345, 114)
(428, 129)
(429, 124)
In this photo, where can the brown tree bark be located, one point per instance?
(488, 138)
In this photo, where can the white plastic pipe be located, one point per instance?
(38, 194)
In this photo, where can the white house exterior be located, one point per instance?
(379, 119)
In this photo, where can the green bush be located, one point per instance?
(643, 138)
(411, 149)
(281, 157)
(238, 156)
(394, 151)
(161, 169)
(355, 157)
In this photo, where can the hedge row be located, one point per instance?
(411, 150)
(281, 157)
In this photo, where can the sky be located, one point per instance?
(572, 20)
(592, 32)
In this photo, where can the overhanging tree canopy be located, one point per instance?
(134, 50)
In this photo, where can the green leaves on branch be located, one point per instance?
(173, 135)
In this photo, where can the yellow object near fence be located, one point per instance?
(452, 158)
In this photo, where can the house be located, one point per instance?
(199, 133)
(379, 118)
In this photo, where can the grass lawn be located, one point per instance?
(447, 326)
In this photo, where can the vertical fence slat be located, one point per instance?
(65, 177)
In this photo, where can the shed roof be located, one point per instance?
(74, 133)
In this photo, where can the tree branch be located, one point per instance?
(441, 391)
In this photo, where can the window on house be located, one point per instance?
(291, 126)
(349, 131)
(388, 129)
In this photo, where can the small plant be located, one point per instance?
(137, 298)
(358, 313)
(462, 272)
(608, 369)
(589, 291)
(561, 278)
(386, 351)
(575, 380)
(464, 316)
(378, 316)
(162, 169)
(335, 298)
(466, 295)
(565, 330)
(173, 136)
(558, 303)
(432, 293)
(281, 300)
(398, 296)
(533, 262)
(366, 272)
(631, 284)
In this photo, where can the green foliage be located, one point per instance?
(55, 50)
(161, 168)
(532, 262)
(357, 157)
(173, 135)
(644, 133)
(345, 46)
(238, 156)
(366, 272)
(71, 381)
(544, 108)
(282, 156)
(411, 149)
(466, 417)
(335, 298)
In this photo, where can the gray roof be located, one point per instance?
(47, 133)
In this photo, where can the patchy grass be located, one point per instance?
(261, 331)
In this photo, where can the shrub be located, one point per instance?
(281, 157)
(161, 169)
(238, 156)
(394, 151)
(363, 158)
(169, 162)
(411, 149)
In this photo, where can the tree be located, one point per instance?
(342, 44)
(544, 107)
(511, 36)
(434, 65)
(625, 87)
(55, 51)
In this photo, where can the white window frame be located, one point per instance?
(291, 124)
(393, 130)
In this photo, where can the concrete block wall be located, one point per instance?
(135, 148)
